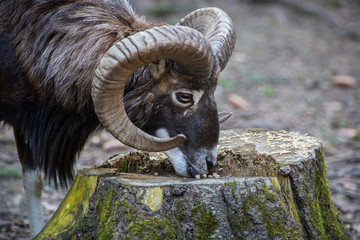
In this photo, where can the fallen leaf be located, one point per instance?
(343, 80)
(238, 101)
(348, 132)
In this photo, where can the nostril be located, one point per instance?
(209, 163)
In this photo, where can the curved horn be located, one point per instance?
(217, 27)
(189, 48)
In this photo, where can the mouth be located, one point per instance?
(191, 170)
(202, 160)
(189, 167)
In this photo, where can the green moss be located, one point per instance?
(127, 210)
(273, 216)
(205, 222)
(325, 216)
(180, 210)
(107, 221)
(67, 219)
(240, 222)
(154, 228)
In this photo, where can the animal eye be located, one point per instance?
(184, 97)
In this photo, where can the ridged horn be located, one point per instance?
(189, 48)
(217, 27)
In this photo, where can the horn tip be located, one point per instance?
(180, 138)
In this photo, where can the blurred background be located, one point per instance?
(296, 66)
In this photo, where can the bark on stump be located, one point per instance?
(273, 185)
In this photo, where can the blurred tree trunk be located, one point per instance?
(273, 185)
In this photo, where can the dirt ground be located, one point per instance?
(285, 68)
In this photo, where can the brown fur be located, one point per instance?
(49, 50)
(60, 43)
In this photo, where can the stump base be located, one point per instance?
(273, 185)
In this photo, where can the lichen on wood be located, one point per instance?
(65, 222)
(273, 185)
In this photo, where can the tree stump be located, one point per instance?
(273, 185)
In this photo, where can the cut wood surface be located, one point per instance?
(272, 185)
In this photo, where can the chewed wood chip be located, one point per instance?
(215, 175)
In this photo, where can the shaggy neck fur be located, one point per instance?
(60, 43)
(49, 50)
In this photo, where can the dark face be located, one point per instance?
(189, 109)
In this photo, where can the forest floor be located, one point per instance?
(283, 74)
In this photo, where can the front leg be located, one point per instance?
(33, 190)
(32, 184)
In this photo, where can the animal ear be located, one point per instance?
(157, 68)
(223, 116)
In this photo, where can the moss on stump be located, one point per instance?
(273, 185)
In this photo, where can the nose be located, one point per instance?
(209, 163)
(192, 171)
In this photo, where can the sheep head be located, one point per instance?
(180, 65)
